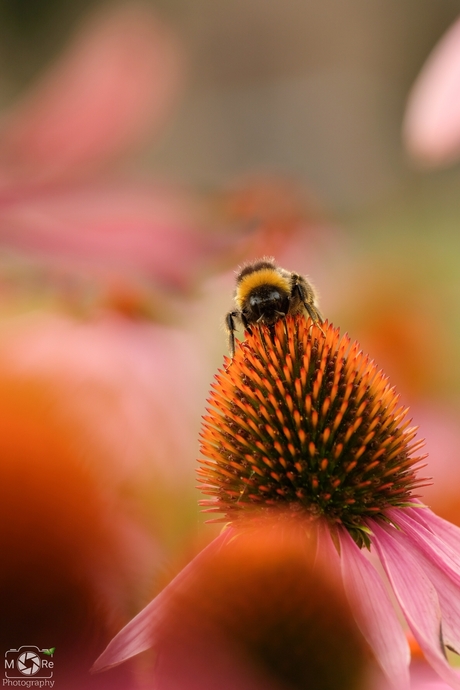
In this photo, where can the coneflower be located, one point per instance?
(307, 420)
(301, 420)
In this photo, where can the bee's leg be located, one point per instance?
(313, 312)
(230, 326)
(245, 322)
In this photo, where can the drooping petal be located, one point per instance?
(448, 594)
(139, 634)
(438, 551)
(370, 603)
(449, 533)
(116, 82)
(423, 677)
(438, 562)
(417, 597)
(432, 122)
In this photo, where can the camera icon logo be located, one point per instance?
(29, 661)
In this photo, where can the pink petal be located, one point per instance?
(116, 82)
(417, 597)
(424, 678)
(448, 595)
(115, 228)
(445, 530)
(375, 613)
(441, 562)
(437, 550)
(432, 122)
(327, 553)
(139, 634)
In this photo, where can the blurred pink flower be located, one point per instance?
(137, 231)
(64, 207)
(431, 129)
(113, 88)
(122, 239)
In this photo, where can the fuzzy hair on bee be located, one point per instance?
(266, 293)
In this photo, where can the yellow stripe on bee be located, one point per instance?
(265, 276)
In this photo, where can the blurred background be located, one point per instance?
(146, 150)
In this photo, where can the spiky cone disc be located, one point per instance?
(302, 419)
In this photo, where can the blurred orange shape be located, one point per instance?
(71, 552)
(265, 613)
(258, 609)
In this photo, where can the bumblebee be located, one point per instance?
(266, 293)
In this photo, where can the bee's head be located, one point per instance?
(266, 303)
